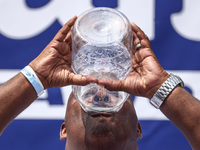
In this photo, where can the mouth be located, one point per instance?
(101, 114)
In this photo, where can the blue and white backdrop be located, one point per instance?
(27, 26)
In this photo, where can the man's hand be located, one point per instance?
(53, 65)
(146, 76)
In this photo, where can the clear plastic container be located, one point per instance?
(101, 47)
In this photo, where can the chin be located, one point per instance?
(101, 130)
(100, 126)
(103, 136)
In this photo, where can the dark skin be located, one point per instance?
(146, 75)
(100, 131)
(53, 67)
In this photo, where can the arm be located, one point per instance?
(53, 68)
(184, 111)
(145, 79)
(14, 98)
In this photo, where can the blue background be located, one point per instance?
(173, 51)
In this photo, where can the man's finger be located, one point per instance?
(111, 85)
(144, 40)
(136, 40)
(140, 34)
(68, 37)
(60, 36)
(135, 28)
(91, 79)
(77, 79)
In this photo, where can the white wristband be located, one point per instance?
(33, 79)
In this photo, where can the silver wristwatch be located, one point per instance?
(166, 88)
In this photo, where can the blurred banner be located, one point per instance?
(27, 26)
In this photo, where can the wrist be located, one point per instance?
(166, 88)
(37, 70)
(31, 76)
(158, 83)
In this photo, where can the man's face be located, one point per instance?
(105, 130)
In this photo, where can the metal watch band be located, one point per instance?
(166, 88)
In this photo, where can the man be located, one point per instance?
(99, 131)
(102, 130)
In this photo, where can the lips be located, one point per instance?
(101, 114)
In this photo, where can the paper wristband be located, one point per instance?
(33, 79)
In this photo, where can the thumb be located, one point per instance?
(78, 79)
(116, 85)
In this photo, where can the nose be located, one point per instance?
(99, 99)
